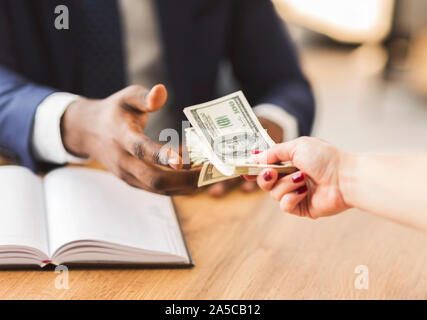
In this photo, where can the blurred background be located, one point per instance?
(367, 62)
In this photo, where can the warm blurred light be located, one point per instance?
(368, 59)
(344, 20)
(417, 63)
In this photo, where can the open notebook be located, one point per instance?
(79, 216)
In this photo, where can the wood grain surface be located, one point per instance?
(244, 248)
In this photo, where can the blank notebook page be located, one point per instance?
(22, 212)
(84, 204)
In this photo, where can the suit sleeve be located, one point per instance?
(265, 62)
(19, 99)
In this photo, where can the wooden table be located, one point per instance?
(244, 248)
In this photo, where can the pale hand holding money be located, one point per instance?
(225, 132)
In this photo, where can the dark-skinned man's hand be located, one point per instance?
(111, 131)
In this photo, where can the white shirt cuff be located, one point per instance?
(47, 141)
(278, 115)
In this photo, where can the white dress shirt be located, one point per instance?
(144, 66)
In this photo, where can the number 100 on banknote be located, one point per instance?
(228, 130)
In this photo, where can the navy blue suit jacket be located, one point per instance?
(37, 60)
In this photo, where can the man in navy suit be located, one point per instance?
(63, 94)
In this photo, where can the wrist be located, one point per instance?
(347, 177)
(274, 130)
(76, 128)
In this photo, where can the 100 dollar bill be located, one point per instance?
(209, 174)
(228, 131)
(225, 132)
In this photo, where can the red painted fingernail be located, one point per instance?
(268, 176)
(255, 151)
(302, 190)
(298, 177)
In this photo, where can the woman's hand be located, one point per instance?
(312, 192)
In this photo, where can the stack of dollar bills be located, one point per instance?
(224, 135)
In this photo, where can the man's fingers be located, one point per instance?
(217, 190)
(277, 153)
(157, 179)
(142, 148)
(267, 178)
(221, 188)
(157, 97)
(141, 99)
(131, 180)
(249, 178)
(249, 186)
